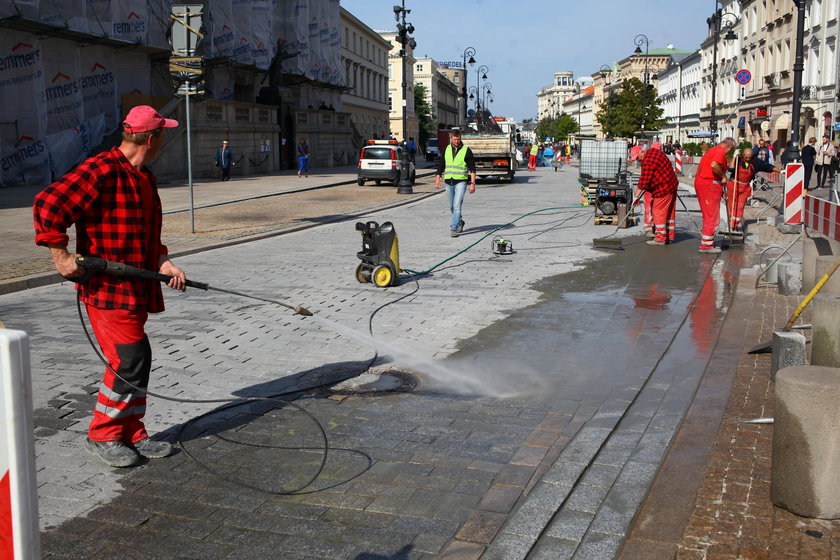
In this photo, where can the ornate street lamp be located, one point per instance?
(638, 40)
(486, 88)
(717, 21)
(469, 51)
(404, 29)
(481, 73)
(793, 153)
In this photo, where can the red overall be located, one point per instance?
(709, 191)
(737, 193)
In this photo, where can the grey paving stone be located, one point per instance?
(597, 546)
(550, 548)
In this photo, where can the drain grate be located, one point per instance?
(384, 382)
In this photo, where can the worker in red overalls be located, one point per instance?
(708, 183)
(660, 182)
(739, 188)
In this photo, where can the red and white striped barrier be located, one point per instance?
(823, 216)
(19, 537)
(678, 162)
(794, 193)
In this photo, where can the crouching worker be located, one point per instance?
(658, 179)
(739, 189)
(112, 199)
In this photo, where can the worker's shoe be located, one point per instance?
(453, 233)
(460, 227)
(112, 453)
(710, 250)
(654, 242)
(153, 449)
(650, 234)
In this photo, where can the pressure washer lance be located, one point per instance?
(96, 264)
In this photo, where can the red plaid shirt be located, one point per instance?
(658, 175)
(118, 217)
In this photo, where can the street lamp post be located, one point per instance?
(469, 51)
(606, 73)
(717, 21)
(793, 153)
(481, 73)
(403, 38)
(638, 40)
(486, 88)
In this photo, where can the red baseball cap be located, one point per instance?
(144, 118)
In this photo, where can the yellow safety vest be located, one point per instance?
(455, 166)
(535, 149)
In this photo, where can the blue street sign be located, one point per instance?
(743, 77)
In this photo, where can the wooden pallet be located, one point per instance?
(601, 220)
(588, 196)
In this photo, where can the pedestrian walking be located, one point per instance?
(456, 165)
(809, 157)
(825, 156)
(411, 146)
(303, 158)
(738, 189)
(708, 183)
(763, 152)
(112, 199)
(658, 178)
(532, 157)
(224, 160)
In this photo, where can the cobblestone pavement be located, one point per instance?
(536, 465)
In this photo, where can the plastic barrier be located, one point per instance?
(794, 193)
(678, 162)
(822, 216)
(19, 537)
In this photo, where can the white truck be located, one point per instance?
(495, 155)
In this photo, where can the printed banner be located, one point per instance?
(220, 23)
(65, 13)
(62, 93)
(129, 21)
(99, 84)
(261, 27)
(241, 10)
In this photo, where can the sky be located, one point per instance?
(524, 42)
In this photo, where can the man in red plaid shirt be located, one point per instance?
(113, 201)
(658, 179)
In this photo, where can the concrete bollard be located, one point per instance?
(812, 247)
(788, 351)
(806, 443)
(825, 333)
(790, 278)
(822, 264)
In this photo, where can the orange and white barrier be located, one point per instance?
(19, 537)
(822, 216)
(794, 193)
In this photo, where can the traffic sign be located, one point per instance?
(743, 77)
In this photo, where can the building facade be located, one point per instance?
(442, 94)
(455, 73)
(550, 99)
(680, 92)
(580, 106)
(365, 56)
(822, 64)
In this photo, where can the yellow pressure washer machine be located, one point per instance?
(380, 254)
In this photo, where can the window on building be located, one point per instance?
(418, 68)
(456, 79)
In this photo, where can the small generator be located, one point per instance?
(380, 254)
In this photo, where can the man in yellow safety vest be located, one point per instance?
(456, 165)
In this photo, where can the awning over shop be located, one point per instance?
(742, 123)
(780, 121)
(701, 134)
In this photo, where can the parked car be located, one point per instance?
(382, 160)
(432, 149)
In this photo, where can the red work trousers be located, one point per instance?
(119, 411)
(709, 193)
(737, 193)
(647, 198)
(532, 162)
(664, 213)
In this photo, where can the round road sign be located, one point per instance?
(743, 77)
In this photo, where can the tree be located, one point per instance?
(634, 108)
(558, 128)
(423, 110)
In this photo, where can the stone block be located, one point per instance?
(822, 266)
(812, 247)
(788, 351)
(825, 333)
(790, 278)
(806, 443)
